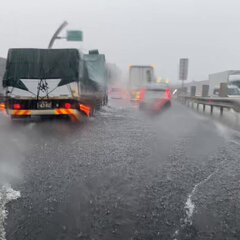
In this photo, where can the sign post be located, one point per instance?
(73, 35)
(55, 35)
(183, 70)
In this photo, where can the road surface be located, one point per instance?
(120, 175)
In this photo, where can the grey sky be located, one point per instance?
(155, 32)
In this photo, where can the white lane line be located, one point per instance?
(7, 194)
(190, 206)
(235, 142)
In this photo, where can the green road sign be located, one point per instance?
(75, 35)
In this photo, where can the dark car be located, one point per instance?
(155, 98)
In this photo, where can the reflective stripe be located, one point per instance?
(75, 117)
(21, 112)
(74, 114)
(2, 107)
(85, 109)
(64, 111)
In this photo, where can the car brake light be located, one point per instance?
(141, 95)
(168, 93)
(16, 106)
(68, 105)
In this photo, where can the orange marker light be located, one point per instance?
(2, 106)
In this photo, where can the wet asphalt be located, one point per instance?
(123, 174)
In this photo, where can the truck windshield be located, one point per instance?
(233, 91)
(236, 83)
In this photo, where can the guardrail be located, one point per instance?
(221, 103)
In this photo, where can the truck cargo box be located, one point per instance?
(41, 64)
(94, 74)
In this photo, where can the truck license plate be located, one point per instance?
(44, 105)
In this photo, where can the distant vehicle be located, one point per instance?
(232, 91)
(117, 93)
(139, 77)
(54, 83)
(155, 97)
(231, 78)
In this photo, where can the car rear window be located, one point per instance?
(154, 94)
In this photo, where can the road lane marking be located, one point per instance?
(235, 142)
(7, 194)
(190, 206)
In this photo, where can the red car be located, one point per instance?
(155, 98)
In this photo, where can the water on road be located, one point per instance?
(121, 175)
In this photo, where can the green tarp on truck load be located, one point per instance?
(95, 71)
(27, 63)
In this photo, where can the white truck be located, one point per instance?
(231, 77)
(139, 77)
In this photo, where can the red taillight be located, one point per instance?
(68, 105)
(142, 94)
(16, 106)
(168, 93)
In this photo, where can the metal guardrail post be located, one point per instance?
(221, 111)
(220, 103)
(211, 110)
